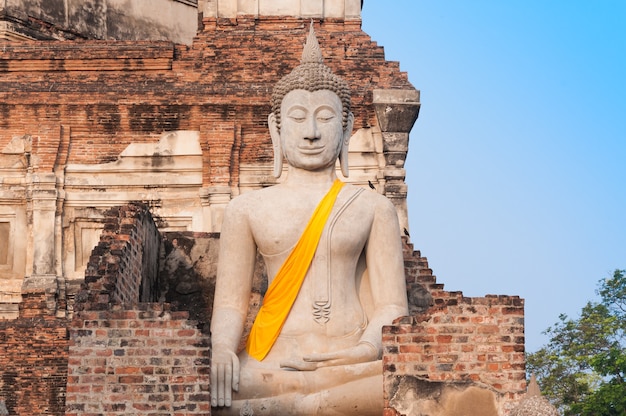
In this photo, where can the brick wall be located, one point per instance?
(477, 339)
(33, 361)
(457, 340)
(147, 360)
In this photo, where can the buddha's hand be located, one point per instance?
(224, 375)
(360, 353)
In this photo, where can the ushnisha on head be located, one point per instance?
(311, 75)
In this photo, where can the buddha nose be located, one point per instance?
(311, 132)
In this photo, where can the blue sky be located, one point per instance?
(517, 163)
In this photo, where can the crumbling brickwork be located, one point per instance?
(123, 267)
(458, 341)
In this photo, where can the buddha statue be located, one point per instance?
(334, 262)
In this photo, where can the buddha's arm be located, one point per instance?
(232, 294)
(385, 266)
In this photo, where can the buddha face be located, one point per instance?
(311, 131)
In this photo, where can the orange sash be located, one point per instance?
(284, 289)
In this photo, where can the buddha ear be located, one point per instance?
(278, 150)
(343, 152)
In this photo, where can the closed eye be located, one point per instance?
(297, 115)
(325, 116)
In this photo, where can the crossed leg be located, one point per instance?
(342, 390)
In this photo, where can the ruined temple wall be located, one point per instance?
(72, 110)
(108, 94)
(75, 113)
(33, 365)
(452, 353)
(98, 19)
(128, 354)
(128, 255)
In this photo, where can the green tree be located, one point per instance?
(582, 369)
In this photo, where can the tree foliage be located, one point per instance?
(582, 369)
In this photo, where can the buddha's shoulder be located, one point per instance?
(370, 197)
(252, 200)
(278, 196)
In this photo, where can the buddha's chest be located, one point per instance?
(278, 225)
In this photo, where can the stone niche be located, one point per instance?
(13, 223)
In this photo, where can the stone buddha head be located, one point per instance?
(311, 123)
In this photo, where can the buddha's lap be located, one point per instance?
(257, 382)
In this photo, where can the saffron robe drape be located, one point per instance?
(282, 292)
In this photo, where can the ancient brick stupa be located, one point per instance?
(125, 132)
(534, 404)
